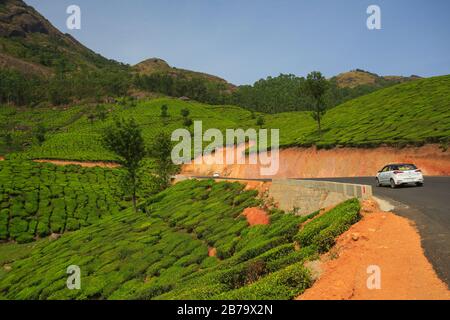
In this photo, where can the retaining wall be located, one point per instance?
(307, 196)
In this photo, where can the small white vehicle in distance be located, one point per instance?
(216, 175)
(394, 175)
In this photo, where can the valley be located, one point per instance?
(88, 178)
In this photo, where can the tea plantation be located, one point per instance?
(162, 253)
(417, 112)
(39, 199)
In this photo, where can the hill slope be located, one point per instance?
(164, 254)
(359, 77)
(26, 35)
(155, 65)
(416, 112)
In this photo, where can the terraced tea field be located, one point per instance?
(164, 252)
(39, 199)
(409, 113)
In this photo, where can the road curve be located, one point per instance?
(428, 207)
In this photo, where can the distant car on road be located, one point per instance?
(394, 175)
(216, 175)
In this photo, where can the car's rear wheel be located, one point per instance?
(419, 184)
(378, 182)
(393, 185)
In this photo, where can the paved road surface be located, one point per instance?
(429, 208)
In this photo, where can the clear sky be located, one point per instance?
(245, 40)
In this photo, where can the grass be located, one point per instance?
(163, 253)
(410, 113)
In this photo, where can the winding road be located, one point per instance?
(428, 207)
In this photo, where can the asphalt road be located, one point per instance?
(428, 207)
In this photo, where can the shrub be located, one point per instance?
(322, 231)
(281, 285)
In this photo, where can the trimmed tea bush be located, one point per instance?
(162, 252)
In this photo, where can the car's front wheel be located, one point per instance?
(419, 184)
(393, 185)
(378, 184)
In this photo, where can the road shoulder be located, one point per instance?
(384, 240)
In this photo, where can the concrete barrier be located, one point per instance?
(307, 196)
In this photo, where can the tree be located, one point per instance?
(8, 139)
(260, 121)
(316, 86)
(185, 113)
(91, 117)
(40, 133)
(161, 151)
(100, 112)
(125, 139)
(187, 122)
(164, 111)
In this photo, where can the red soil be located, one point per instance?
(256, 216)
(212, 252)
(385, 240)
(80, 163)
(338, 162)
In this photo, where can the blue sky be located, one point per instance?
(245, 40)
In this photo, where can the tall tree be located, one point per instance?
(187, 122)
(164, 111)
(125, 139)
(41, 130)
(316, 86)
(161, 151)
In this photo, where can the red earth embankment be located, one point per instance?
(338, 162)
(387, 241)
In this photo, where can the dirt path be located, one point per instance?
(379, 239)
(80, 163)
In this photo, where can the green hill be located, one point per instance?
(26, 36)
(154, 66)
(163, 253)
(410, 113)
(358, 77)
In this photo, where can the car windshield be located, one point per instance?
(405, 167)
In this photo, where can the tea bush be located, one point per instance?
(322, 231)
(411, 113)
(37, 199)
(163, 251)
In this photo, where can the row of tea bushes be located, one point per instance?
(163, 253)
(37, 199)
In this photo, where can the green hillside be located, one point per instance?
(26, 35)
(38, 199)
(163, 253)
(411, 113)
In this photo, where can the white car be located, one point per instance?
(216, 175)
(399, 174)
